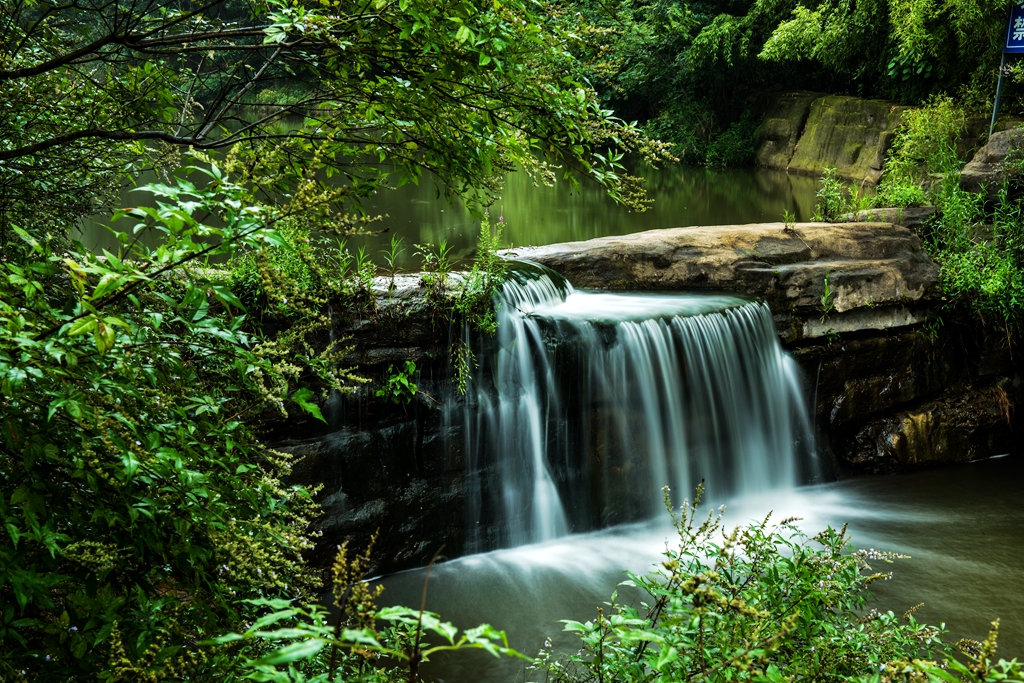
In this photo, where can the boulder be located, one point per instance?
(987, 170)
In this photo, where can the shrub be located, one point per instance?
(139, 509)
(762, 603)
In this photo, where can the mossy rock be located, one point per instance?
(781, 129)
(849, 134)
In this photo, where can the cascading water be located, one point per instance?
(592, 402)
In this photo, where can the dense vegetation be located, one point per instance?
(699, 73)
(147, 533)
(140, 508)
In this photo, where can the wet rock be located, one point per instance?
(958, 427)
(864, 376)
(403, 480)
(987, 170)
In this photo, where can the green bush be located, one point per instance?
(398, 386)
(923, 152)
(140, 510)
(300, 273)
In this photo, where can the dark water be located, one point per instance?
(963, 527)
(534, 215)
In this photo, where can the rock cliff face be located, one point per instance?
(891, 385)
(808, 132)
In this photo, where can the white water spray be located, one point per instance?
(593, 402)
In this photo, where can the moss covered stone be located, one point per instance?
(806, 133)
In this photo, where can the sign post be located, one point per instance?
(1014, 44)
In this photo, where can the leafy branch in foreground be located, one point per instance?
(365, 643)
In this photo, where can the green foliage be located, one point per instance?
(398, 386)
(979, 249)
(139, 506)
(828, 296)
(294, 94)
(831, 200)
(907, 50)
(295, 644)
(468, 299)
(923, 150)
(788, 220)
(836, 200)
(302, 274)
(762, 603)
(391, 257)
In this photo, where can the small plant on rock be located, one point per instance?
(828, 295)
(398, 387)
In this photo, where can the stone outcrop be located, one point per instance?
(878, 275)
(807, 133)
(782, 127)
(987, 170)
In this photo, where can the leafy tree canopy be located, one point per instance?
(376, 91)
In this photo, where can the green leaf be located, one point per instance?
(291, 653)
(301, 398)
(83, 325)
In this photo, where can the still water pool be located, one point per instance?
(962, 526)
(682, 195)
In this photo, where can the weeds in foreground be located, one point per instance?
(762, 603)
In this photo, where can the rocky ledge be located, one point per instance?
(891, 385)
(819, 279)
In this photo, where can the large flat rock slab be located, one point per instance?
(878, 275)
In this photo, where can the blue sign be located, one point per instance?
(1015, 28)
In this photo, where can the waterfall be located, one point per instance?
(590, 403)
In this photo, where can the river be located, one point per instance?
(962, 526)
